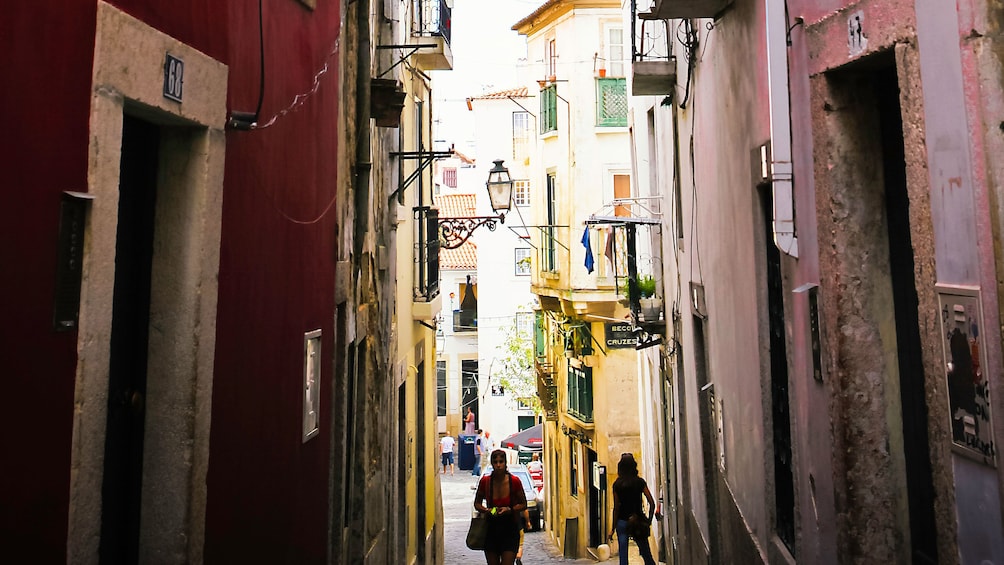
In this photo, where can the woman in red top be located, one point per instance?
(500, 496)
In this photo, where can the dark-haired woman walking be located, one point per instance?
(628, 489)
(500, 497)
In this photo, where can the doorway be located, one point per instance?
(920, 487)
(877, 297)
(596, 529)
(123, 463)
(151, 263)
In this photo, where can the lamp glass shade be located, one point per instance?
(499, 187)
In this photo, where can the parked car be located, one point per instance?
(533, 505)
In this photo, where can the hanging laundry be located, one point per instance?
(589, 251)
(608, 249)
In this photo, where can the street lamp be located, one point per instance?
(455, 231)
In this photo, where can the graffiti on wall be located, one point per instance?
(968, 391)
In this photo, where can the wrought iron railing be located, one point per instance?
(432, 18)
(426, 253)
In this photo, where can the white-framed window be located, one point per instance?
(311, 383)
(521, 192)
(522, 261)
(524, 323)
(551, 57)
(614, 50)
(521, 129)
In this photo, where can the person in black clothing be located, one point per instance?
(628, 489)
(500, 496)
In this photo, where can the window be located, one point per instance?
(580, 393)
(521, 192)
(524, 323)
(549, 109)
(550, 260)
(441, 388)
(522, 262)
(498, 390)
(551, 57)
(520, 135)
(611, 102)
(450, 177)
(615, 51)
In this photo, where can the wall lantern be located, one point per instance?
(455, 231)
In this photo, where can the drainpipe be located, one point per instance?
(780, 128)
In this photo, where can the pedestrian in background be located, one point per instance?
(500, 497)
(469, 422)
(487, 446)
(446, 445)
(628, 489)
(478, 454)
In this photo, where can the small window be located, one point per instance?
(440, 387)
(548, 109)
(615, 51)
(450, 177)
(498, 390)
(524, 323)
(521, 192)
(522, 262)
(521, 136)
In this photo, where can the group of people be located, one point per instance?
(482, 444)
(500, 497)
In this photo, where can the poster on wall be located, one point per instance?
(968, 391)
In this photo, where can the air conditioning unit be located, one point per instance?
(654, 77)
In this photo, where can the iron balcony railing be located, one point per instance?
(432, 18)
(426, 253)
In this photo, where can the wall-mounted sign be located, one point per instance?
(69, 266)
(174, 77)
(620, 335)
(965, 368)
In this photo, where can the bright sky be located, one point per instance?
(485, 53)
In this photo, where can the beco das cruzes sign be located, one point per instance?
(620, 335)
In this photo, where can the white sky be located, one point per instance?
(485, 54)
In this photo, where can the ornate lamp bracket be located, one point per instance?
(453, 232)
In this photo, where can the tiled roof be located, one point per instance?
(464, 257)
(520, 92)
(453, 205)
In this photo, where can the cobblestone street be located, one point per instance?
(458, 497)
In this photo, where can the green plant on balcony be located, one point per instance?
(646, 286)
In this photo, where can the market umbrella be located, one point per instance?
(530, 437)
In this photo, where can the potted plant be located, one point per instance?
(651, 305)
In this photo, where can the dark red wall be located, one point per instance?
(268, 491)
(45, 102)
(275, 277)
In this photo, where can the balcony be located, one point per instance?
(686, 9)
(465, 321)
(426, 254)
(431, 24)
(547, 389)
(653, 66)
(653, 78)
